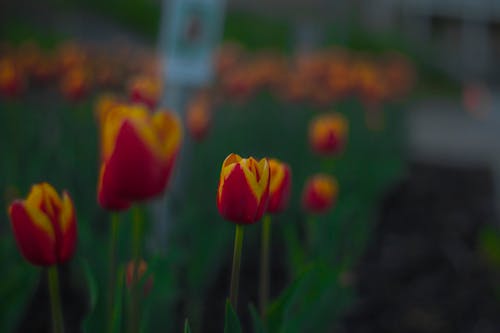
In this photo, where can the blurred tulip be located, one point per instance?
(243, 191)
(320, 193)
(74, 84)
(279, 188)
(142, 268)
(44, 226)
(328, 133)
(199, 117)
(138, 151)
(145, 90)
(11, 79)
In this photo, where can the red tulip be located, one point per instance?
(279, 188)
(138, 154)
(198, 118)
(243, 189)
(320, 193)
(145, 90)
(44, 226)
(328, 133)
(142, 268)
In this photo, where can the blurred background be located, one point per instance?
(412, 242)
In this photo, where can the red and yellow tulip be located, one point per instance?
(145, 90)
(328, 133)
(44, 226)
(279, 188)
(142, 268)
(243, 191)
(12, 82)
(199, 117)
(138, 151)
(320, 193)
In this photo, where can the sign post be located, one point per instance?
(189, 35)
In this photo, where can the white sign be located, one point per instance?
(193, 30)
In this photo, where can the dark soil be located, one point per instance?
(422, 271)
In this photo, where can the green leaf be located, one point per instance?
(258, 324)
(186, 327)
(117, 310)
(91, 284)
(231, 322)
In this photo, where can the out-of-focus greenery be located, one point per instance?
(45, 139)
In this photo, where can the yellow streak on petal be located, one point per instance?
(35, 197)
(256, 174)
(277, 174)
(168, 129)
(67, 213)
(40, 220)
(51, 199)
(326, 186)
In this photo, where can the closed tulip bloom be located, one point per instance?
(142, 268)
(44, 226)
(243, 191)
(328, 133)
(279, 188)
(145, 90)
(138, 151)
(320, 193)
(199, 118)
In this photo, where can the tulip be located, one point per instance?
(320, 193)
(138, 154)
(243, 189)
(328, 133)
(74, 84)
(145, 90)
(44, 226)
(11, 79)
(198, 118)
(242, 198)
(131, 277)
(279, 188)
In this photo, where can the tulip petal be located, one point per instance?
(34, 234)
(236, 200)
(107, 192)
(67, 225)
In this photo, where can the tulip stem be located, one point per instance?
(264, 265)
(55, 300)
(115, 223)
(235, 273)
(137, 234)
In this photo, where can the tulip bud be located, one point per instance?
(279, 188)
(11, 80)
(243, 191)
(198, 118)
(145, 90)
(138, 151)
(328, 133)
(320, 193)
(142, 268)
(74, 84)
(44, 226)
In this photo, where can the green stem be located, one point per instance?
(264, 265)
(137, 235)
(55, 300)
(115, 222)
(311, 234)
(235, 273)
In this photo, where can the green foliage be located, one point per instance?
(489, 246)
(57, 142)
(186, 327)
(231, 321)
